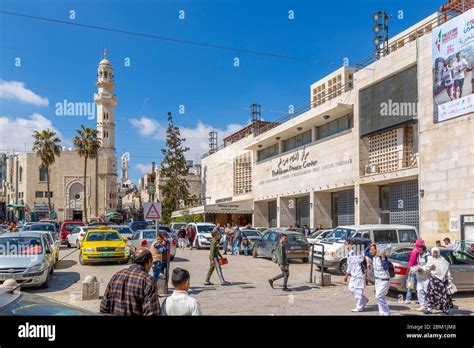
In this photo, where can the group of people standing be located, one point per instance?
(235, 238)
(428, 274)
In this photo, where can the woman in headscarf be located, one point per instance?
(437, 296)
(412, 263)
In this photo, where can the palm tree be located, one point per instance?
(47, 148)
(87, 145)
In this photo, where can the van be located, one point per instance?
(335, 255)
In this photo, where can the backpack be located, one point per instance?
(391, 269)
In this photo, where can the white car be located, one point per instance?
(203, 234)
(318, 236)
(73, 238)
(124, 230)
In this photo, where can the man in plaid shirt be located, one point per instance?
(132, 291)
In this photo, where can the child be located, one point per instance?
(380, 265)
(245, 244)
(356, 269)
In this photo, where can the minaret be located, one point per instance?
(105, 99)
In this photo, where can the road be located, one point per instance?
(249, 293)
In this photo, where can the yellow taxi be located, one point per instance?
(102, 245)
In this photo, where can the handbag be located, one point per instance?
(223, 261)
(452, 289)
(410, 283)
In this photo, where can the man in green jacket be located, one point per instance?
(282, 261)
(214, 256)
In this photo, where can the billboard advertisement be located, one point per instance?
(453, 63)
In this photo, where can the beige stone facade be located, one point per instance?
(67, 173)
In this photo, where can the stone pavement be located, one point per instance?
(249, 293)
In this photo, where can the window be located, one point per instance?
(46, 194)
(338, 125)
(274, 237)
(266, 236)
(267, 152)
(43, 174)
(385, 236)
(39, 194)
(21, 174)
(407, 236)
(297, 141)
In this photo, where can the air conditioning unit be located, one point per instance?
(371, 169)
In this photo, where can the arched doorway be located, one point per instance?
(76, 200)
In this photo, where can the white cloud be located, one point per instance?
(143, 168)
(197, 138)
(17, 133)
(146, 126)
(17, 90)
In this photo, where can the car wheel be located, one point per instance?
(45, 285)
(78, 245)
(68, 244)
(274, 257)
(171, 257)
(343, 266)
(305, 260)
(51, 271)
(81, 260)
(254, 253)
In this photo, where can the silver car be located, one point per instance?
(26, 257)
(124, 230)
(461, 266)
(144, 238)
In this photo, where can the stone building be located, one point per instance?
(25, 184)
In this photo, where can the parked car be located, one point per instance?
(253, 236)
(41, 226)
(101, 245)
(124, 230)
(461, 266)
(335, 256)
(138, 225)
(203, 234)
(74, 238)
(66, 228)
(318, 236)
(26, 256)
(22, 303)
(3, 228)
(297, 246)
(54, 243)
(144, 239)
(175, 226)
(261, 229)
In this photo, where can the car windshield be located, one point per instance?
(45, 227)
(299, 238)
(339, 234)
(178, 226)
(315, 234)
(20, 245)
(205, 228)
(135, 226)
(32, 305)
(123, 229)
(70, 227)
(250, 233)
(149, 234)
(102, 236)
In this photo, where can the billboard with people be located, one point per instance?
(453, 62)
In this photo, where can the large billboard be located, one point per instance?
(453, 62)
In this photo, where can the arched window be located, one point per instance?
(43, 174)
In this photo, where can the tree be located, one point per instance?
(87, 145)
(174, 169)
(47, 148)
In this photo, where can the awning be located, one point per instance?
(16, 206)
(239, 207)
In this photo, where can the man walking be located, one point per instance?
(228, 238)
(282, 261)
(132, 291)
(180, 303)
(214, 256)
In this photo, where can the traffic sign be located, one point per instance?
(152, 210)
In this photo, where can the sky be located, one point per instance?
(43, 63)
